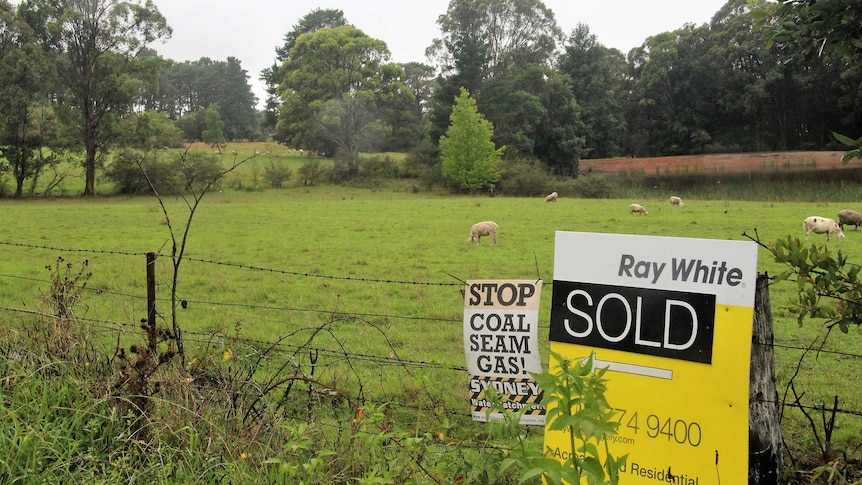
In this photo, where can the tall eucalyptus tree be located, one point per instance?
(330, 91)
(95, 45)
(273, 76)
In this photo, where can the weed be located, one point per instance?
(577, 408)
(68, 282)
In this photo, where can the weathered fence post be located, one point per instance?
(765, 451)
(152, 334)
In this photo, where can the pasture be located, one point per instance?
(377, 273)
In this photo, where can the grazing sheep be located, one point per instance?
(637, 209)
(821, 225)
(848, 217)
(674, 200)
(552, 197)
(486, 228)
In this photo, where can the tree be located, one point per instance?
(399, 114)
(817, 28)
(150, 130)
(313, 21)
(470, 160)
(748, 76)
(329, 90)
(26, 124)
(420, 78)
(94, 43)
(814, 26)
(190, 87)
(597, 77)
(213, 135)
(559, 134)
(485, 40)
(482, 38)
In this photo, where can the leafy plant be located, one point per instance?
(277, 173)
(828, 285)
(576, 404)
(855, 145)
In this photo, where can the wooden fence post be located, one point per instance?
(765, 449)
(152, 334)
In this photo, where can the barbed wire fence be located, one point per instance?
(364, 357)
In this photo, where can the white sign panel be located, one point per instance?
(501, 319)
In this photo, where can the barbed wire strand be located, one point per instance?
(284, 347)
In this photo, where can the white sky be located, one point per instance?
(250, 30)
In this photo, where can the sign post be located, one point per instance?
(671, 319)
(501, 319)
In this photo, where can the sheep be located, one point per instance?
(637, 209)
(552, 197)
(674, 200)
(486, 228)
(848, 217)
(821, 225)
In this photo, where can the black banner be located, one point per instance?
(663, 323)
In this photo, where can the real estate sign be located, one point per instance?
(671, 319)
(501, 343)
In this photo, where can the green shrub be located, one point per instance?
(132, 171)
(126, 171)
(424, 164)
(593, 188)
(524, 178)
(311, 172)
(277, 173)
(376, 167)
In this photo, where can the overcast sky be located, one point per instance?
(250, 30)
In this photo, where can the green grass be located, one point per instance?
(286, 263)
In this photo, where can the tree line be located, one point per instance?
(79, 78)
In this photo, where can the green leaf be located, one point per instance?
(593, 467)
(846, 140)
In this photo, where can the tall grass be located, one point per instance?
(788, 185)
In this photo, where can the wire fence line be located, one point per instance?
(201, 337)
(251, 306)
(281, 347)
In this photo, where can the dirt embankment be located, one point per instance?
(730, 162)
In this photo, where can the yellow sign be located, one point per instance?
(671, 319)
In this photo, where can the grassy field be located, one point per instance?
(376, 274)
(277, 261)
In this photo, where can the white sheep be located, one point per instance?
(849, 217)
(486, 228)
(637, 209)
(552, 197)
(821, 225)
(674, 200)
